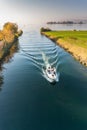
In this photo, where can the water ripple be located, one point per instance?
(33, 49)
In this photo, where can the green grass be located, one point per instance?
(78, 38)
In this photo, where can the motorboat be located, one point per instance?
(50, 73)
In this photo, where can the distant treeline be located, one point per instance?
(65, 22)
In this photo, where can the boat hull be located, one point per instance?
(51, 80)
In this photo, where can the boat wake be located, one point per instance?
(45, 57)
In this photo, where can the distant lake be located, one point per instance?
(28, 101)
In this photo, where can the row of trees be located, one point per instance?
(65, 22)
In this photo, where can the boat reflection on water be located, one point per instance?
(7, 58)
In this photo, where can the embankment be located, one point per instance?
(74, 42)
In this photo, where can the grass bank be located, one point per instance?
(75, 42)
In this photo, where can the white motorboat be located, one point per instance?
(50, 73)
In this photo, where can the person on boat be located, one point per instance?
(52, 69)
(49, 70)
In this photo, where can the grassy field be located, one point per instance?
(78, 38)
(75, 42)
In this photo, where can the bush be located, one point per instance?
(1, 36)
(45, 29)
(10, 32)
(10, 26)
(9, 37)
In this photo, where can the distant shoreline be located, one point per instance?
(75, 45)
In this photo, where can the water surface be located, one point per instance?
(29, 102)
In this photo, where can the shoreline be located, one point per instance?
(78, 52)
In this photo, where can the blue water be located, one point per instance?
(28, 101)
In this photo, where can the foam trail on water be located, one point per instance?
(41, 54)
